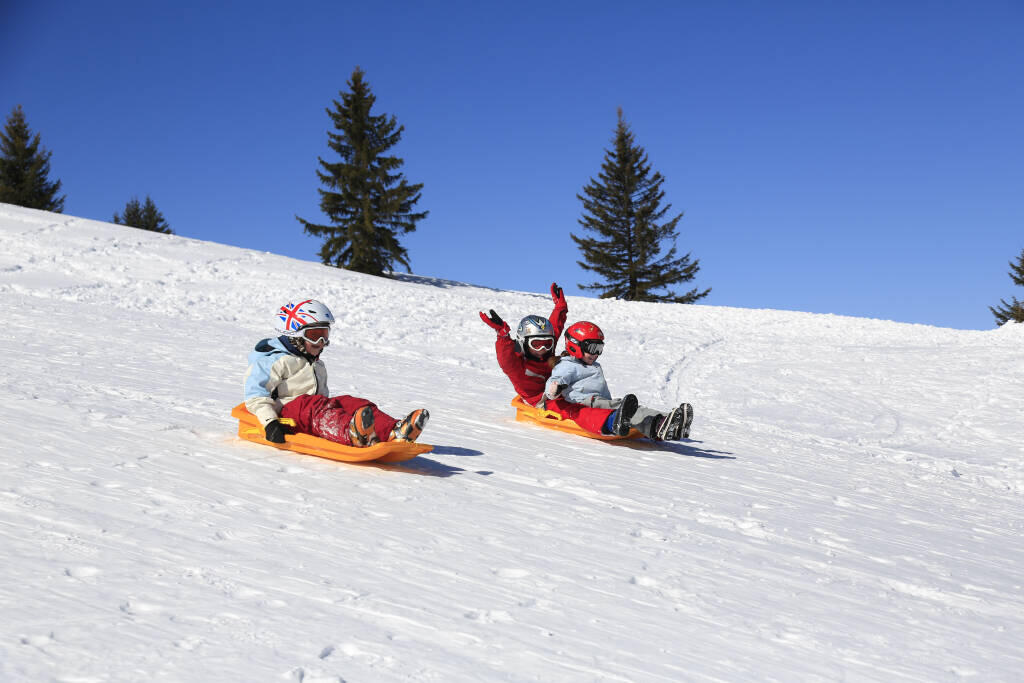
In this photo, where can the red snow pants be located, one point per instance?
(591, 419)
(328, 418)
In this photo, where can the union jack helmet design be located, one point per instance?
(292, 318)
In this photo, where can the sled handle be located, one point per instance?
(547, 415)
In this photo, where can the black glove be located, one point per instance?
(275, 431)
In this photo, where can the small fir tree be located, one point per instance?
(623, 212)
(1013, 310)
(144, 216)
(368, 201)
(25, 168)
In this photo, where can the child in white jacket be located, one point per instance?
(287, 378)
(579, 378)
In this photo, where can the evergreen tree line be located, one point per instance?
(626, 223)
(370, 205)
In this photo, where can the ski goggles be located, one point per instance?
(540, 344)
(592, 347)
(316, 335)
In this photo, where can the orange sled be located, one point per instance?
(249, 428)
(552, 420)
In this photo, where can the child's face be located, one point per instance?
(314, 349)
(591, 348)
(314, 339)
(539, 348)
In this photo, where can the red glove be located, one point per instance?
(495, 323)
(557, 296)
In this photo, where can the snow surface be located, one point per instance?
(849, 507)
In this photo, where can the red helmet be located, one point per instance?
(583, 337)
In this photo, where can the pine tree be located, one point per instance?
(1014, 310)
(368, 201)
(623, 209)
(25, 167)
(144, 216)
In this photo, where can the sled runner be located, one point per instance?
(552, 420)
(249, 428)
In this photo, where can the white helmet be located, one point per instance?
(291, 319)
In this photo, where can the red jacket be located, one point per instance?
(527, 375)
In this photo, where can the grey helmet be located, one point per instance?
(535, 326)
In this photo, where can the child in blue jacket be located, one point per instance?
(579, 379)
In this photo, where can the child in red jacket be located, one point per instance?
(527, 360)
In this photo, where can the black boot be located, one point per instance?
(684, 431)
(623, 416)
(677, 424)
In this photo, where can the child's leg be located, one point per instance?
(670, 426)
(382, 423)
(329, 419)
(647, 421)
(302, 409)
(644, 412)
(331, 422)
(590, 419)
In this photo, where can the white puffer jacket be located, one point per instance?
(279, 373)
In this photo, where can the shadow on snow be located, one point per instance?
(680, 448)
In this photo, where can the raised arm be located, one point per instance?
(560, 312)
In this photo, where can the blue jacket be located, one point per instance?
(584, 381)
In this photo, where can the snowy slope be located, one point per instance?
(850, 506)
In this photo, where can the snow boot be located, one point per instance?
(684, 432)
(676, 425)
(360, 429)
(410, 426)
(624, 415)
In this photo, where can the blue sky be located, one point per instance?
(859, 158)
